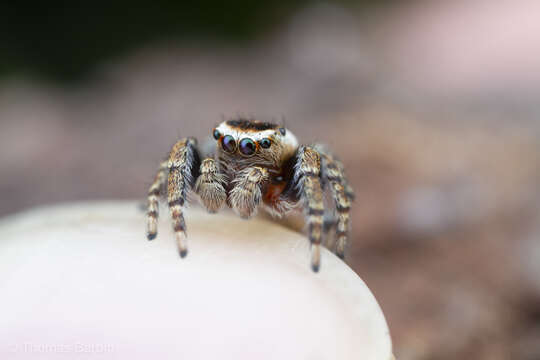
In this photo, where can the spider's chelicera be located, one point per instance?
(255, 164)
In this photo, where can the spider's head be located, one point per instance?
(255, 142)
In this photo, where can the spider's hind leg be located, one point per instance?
(342, 193)
(152, 208)
(329, 225)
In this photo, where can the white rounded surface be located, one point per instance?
(81, 281)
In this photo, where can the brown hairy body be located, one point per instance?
(254, 164)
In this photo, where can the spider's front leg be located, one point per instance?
(210, 186)
(246, 194)
(308, 179)
(183, 160)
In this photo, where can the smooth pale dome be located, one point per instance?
(80, 281)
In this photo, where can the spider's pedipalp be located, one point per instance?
(246, 194)
(307, 177)
(154, 193)
(183, 159)
(210, 186)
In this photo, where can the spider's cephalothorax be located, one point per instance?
(254, 164)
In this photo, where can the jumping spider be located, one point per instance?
(254, 163)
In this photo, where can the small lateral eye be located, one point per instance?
(265, 143)
(228, 143)
(283, 131)
(216, 134)
(247, 146)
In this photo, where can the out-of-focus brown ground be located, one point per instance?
(446, 226)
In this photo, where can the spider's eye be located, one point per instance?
(247, 146)
(265, 143)
(282, 131)
(228, 143)
(216, 134)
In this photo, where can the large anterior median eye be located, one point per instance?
(228, 143)
(247, 146)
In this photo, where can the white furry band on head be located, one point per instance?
(288, 140)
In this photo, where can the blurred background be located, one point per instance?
(433, 107)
